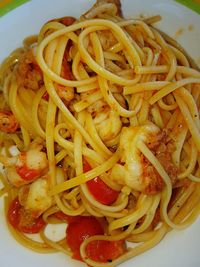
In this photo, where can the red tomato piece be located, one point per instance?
(26, 173)
(80, 230)
(14, 213)
(86, 166)
(45, 96)
(101, 192)
(32, 228)
(22, 220)
(67, 21)
(66, 72)
(105, 251)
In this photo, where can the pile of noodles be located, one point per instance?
(125, 73)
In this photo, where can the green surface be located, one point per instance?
(191, 4)
(15, 3)
(10, 6)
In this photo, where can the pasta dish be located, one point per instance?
(99, 129)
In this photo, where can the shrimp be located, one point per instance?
(135, 171)
(25, 167)
(110, 126)
(34, 197)
(8, 122)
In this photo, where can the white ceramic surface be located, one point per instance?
(179, 248)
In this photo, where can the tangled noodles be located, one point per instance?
(99, 129)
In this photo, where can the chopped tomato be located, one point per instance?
(45, 96)
(22, 220)
(65, 92)
(14, 213)
(105, 251)
(32, 226)
(86, 166)
(101, 192)
(66, 72)
(64, 217)
(79, 230)
(67, 21)
(27, 173)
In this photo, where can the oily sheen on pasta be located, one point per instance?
(99, 129)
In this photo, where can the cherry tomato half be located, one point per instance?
(100, 190)
(80, 230)
(22, 220)
(105, 251)
(27, 174)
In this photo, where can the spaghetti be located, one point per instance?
(99, 128)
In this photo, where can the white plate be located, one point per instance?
(179, 248)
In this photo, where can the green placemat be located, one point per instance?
(192, 4)
(8, 5)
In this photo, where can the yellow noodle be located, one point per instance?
(189, 121)
(157, 116)
(141, 87)
(165, 106)
(54, 245)
(172, 87)
(192, 163)
(140, 211)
